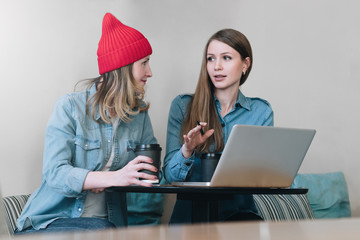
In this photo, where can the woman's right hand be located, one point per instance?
(194, 138)
(130, 174)
(96, 181)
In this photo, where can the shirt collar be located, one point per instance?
(240, 102)
(92, 91)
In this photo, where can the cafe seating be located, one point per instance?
(327, 198)
(283, 207)
(328, 193)
(271, 207)
(13, 206)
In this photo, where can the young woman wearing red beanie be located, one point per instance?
(87, 144)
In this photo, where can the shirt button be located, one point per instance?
(79, 209)
(86, 145)
(109, 140)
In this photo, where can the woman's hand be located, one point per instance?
(194, 139)
(130, 174)
(97, 181)
(97, 190)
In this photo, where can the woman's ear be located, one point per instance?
(247, 64)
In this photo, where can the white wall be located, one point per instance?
(306, 63)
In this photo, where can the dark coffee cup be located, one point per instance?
(209, 162)
(152, 151)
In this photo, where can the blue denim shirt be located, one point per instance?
(74, 145)
(248, 111)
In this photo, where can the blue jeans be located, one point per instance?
(71, 224)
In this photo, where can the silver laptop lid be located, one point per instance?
(261, 156)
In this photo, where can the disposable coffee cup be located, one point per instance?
(152, 151)
(209, 162)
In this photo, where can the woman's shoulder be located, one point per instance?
(74, 96)
(182, 99)
(73, 100)
(259, 101)
(181, 102)
(258, 104)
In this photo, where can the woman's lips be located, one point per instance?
(219, 77)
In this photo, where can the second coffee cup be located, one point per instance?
(209, 162)
(152, 151)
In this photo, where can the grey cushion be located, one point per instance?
(283, 207)
(13, 206)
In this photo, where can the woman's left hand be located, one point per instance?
(194, 138)
(97, 190)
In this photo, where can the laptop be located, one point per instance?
(259, 156)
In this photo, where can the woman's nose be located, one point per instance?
(149, 72)
(218, 65)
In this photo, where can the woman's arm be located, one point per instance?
(179, 157)
(58, 169)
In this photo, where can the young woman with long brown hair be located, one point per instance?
(217, 104)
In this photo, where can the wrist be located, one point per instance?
(112, 178)
(186, 152)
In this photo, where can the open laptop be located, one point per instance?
(259, 156)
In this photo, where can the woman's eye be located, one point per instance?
(210, 59)
(227, 57)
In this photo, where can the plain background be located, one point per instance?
(306, 64)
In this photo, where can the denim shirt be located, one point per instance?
(247, 111)
(74, 145)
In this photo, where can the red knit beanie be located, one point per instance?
(120, 45)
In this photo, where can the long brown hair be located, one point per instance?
(202, 105)
(117, 92)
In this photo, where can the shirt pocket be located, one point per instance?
(87, 153)
(130, 146)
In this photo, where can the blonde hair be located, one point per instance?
(202, 105)
(117, 92)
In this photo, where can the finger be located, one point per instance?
(142, 183)
(97, 190)
(147, 176)
(203, 124)
(187, 142)
(209, 133)
(186, 139)
(141, 158)
(146, 166)
(190, 133)
(197, 129)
